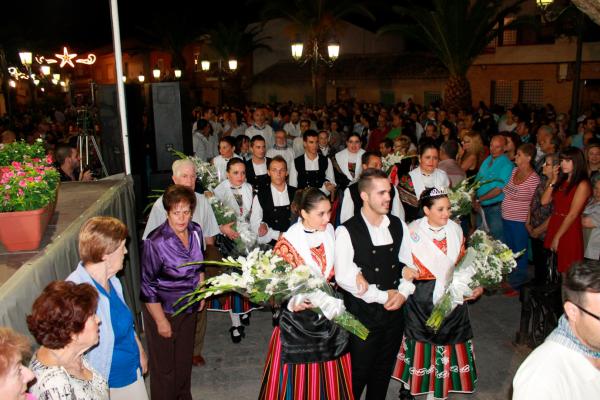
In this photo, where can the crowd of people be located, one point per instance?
(310, 184)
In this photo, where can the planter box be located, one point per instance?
(23, 230)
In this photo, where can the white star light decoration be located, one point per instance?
(66, 58)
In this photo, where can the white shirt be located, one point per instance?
(266, 132)
(201, 146)
(203, 215)
(225, 193)
(298, 146)
(287, 154)
(260, 169)
(346, 270)
(313, 165)
(280, 199)
(347, 210)
(220, 164)
(554, 372)
(292, 129)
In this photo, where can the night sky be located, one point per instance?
(46, 25)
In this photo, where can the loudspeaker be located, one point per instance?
(172, 122)
(111, 138)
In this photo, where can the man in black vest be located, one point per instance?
(312, 169)
(371, 249)
(256, 167)
(351, 201)
(271, 212)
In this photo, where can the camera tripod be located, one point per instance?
(84, 139)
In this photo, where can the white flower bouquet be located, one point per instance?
(486, 262)
(261, 276)
(205, 171)
(392, 159)
(461, 196)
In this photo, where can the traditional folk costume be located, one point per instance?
(220, 164)
(379, 253)
(411, 185)
(311, 173)
(256, 175)
(238, 199)
(274, 209)
(440, 362)
(348, 166)
(352, 203)
(307, 358)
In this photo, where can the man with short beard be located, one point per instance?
(371, 250)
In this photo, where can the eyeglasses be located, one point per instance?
(587, 312)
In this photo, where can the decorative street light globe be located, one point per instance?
(141, 78)
(156, 73)
(297, 49)
(124, 79)
(45, 69)
(205, 65)
(177, 73)
(56, 77)
(233, 64)
(333, 50)
(26, 58)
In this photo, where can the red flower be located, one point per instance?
(16, 164)
(22, 183)
(49, 159)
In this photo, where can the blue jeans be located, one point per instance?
(517, 238)
(493, 217)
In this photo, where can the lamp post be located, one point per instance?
(26, 58)
(232, 66)
(550, 12)
(315, 55)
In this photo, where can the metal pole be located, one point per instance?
(114, 15)
(575, 98)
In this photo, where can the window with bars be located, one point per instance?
(432, 97)
(501, 93)
(531, 92)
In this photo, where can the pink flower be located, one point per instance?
(20, 192)
(7, 187)
(21, 173)
(22, 184)
(49, 159)
(29, 179)
(16, 164)
(36, 160)
(38, 178)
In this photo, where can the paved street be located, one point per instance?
(233, 371)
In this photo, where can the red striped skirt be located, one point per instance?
(329, 380)
(235, 302)
(437, 369)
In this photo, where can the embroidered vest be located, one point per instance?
(306, 178)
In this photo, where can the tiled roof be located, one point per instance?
(364, 67)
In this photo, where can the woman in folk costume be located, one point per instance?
(348, 162)
(426, 175)
(435, 363)
(307, 356)
(237, 194)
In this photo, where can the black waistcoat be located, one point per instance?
(258, 182)
(358, 203)
(306, 178)
(278, 218)
(379, 266)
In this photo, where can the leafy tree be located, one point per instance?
(456, 31)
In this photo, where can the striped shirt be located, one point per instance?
(517, 197)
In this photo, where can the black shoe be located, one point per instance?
(237, 333)
(405, 394)
(245, 319)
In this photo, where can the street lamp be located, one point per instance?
(205, 65)
(232, 65)
(550, 13)
(45, 70)
(26, 58)
(141, 78)
(177, 73)
(156, 73)
(316, 56)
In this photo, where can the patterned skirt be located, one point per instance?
(233, 302)
(330, 380)
(437, 369)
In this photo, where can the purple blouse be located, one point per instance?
(163, 252)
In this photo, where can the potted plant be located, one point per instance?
(28, 190)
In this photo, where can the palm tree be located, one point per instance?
(456, 31)
(317, 21)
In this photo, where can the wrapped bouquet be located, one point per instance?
(262, 276)
(486, 262)
(392, 159)
(461, 196)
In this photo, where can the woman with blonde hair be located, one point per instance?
(473, 152)
(14, 376)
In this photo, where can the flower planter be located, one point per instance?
(23, 230)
